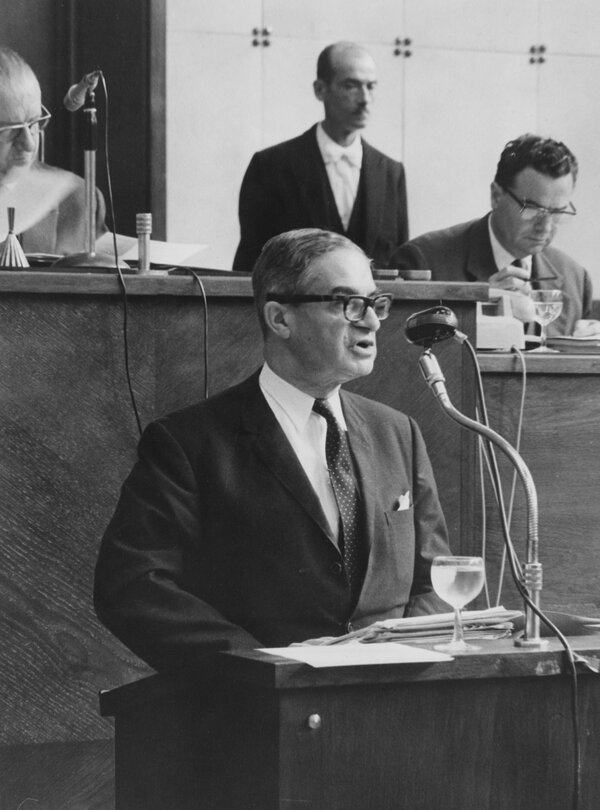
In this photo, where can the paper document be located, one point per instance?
(355, 654)
(174, 254)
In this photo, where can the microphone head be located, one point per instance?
(431, 326)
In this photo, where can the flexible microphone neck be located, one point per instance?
(440, 323)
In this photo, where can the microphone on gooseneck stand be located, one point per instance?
(432, 326)
(77, 93)
(82, 95)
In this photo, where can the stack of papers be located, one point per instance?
(492, 623)
(355, 654)
(575, 345)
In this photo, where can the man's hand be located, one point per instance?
(513, 279)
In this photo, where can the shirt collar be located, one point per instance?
(502, 257)
(331, 151)
(296, 403)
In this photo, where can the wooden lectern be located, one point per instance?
(489, 731)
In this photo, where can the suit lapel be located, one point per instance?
(480, 258)
(372, 176)
(541, 266)
(312, 184)
(363, 460)
(272, 447)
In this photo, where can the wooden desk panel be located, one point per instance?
(561, 446)
(486, 732)
(68, 438)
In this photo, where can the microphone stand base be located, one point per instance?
(90, 263)
(532, 643)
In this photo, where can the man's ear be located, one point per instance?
(319, 88)
(277, 319)
(495, 192)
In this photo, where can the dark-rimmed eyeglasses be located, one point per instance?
(530, 210)
(10, 132)
(355, 306)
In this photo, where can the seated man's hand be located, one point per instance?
(586, 328)
(521, 305)
(513, 279)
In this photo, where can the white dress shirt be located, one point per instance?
(306, 432)
(342, 164)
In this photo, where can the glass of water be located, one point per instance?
(457, 580)
(548, 306)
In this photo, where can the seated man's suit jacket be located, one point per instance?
(464, 253)
(286, 187)
(219, 540)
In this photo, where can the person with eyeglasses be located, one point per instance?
(328, 177)
(49, 202)
(511, 246)
(285, 508)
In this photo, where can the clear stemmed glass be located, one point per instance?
(457, 580)
(548, 306)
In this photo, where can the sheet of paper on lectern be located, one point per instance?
(355, 654)
(175, 254)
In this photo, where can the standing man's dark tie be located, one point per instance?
(347, 497)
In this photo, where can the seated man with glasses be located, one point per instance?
(284, 508)
(510, 247)
(49, 202)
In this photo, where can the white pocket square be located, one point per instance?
(403, 502)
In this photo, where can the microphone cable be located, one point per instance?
(573, 658)
(117, 268)
(198, 281)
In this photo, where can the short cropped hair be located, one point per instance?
(285, 260)
(325, 60)
(546, 156)
(325, 71)
(13, 67)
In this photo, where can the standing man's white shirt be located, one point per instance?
(343, 164)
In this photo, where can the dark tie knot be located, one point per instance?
(321, 407)
(334, 430)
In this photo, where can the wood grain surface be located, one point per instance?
(561, 447)
(68, 437)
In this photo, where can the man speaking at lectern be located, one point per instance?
(328, 177)
(283, 508)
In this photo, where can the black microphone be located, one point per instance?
(76, 94)
(431, 326)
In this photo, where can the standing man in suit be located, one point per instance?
(329, 177)
(283, 508)
(510, 247)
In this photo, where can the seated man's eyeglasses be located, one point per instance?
(531, 210)
(10, 132)
(355, 306)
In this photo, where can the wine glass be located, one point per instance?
(548, 306)
(457, 580)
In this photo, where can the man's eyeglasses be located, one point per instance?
(530, 210)
(355, 306)
(10, 132)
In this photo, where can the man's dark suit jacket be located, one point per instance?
(464, 253)
(219, 540)
(286, 187)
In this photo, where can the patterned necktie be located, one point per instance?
(346, 495)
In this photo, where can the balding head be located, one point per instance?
(345, 83)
